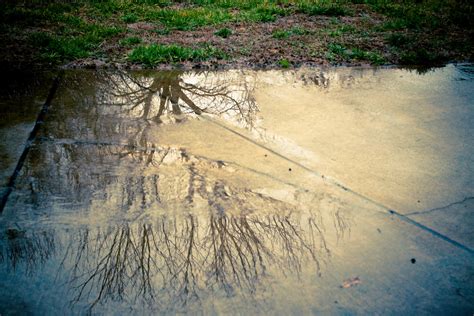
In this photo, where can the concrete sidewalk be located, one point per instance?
(314, 191)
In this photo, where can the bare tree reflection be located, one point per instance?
(21, 248)
(156, 224)
(179, 259)
(177, 95)
(188, 232)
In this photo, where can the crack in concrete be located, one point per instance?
(469, 198)
(347, 189)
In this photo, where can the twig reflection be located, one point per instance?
(179, 259)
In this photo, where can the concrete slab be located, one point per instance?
(21, 96)
(401, 138)
(454, 220)
(246, 193)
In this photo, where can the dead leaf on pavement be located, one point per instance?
(351, 282)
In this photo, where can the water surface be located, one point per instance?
(339, 190)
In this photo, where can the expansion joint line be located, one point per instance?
(30, 141)
(339, 185)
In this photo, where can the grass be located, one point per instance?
(224, 33)
(284, 63)
(130, 41)
(156, 54)
(187, 19)
(323, 7)
(344, 29)
(337, 52)
(281, 34)
(262, 13)
(412, 51)
(284, 34)
(72, 43)
(407, 31)
(130, 18)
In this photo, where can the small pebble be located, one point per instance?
(289, 169)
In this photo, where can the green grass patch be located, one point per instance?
(284, 34)
(323, 7)
(420, 56)
(262, 13)
(416, 31)
(224, 33)
(188, 19)
(342, 30)
(156, 54)
(339, 52)
(72, 43)
(281, 34)
(299, 31)
(284, 63)
(130, 41)
(398, 40)
(130, 18)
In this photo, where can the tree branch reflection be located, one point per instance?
(173, 96)
(180, 259)
(156, 224)
(20, 248)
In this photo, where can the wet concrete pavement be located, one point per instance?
(315, 191)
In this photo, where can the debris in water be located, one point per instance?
(413, 260)
(351, 282)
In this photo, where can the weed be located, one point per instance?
(420, 56)
(323, 7)
(40, 39)
(72, 44)
(337, 51)
(398, 40)
(299, 31)
(164, 31)
(281, 34)
(188, 19)
(261, 14)
(284, 63)
(416, 31)
(129, 18)
(155, 54)
(340, 29)
(225, 33)
(130, 41)
(372, 57)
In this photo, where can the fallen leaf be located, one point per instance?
(351, 282)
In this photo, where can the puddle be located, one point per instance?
(22, 94)
(242, 192)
